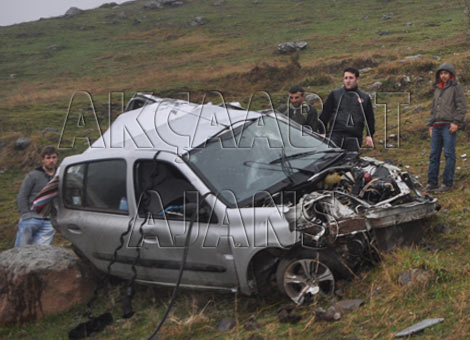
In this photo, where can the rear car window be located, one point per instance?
(99, 185)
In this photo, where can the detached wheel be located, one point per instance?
(302, 275)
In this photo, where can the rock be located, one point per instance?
(55, 47)
(226, 324)
(290, 47)
(420, 79)
(49, 130)
(108, 5)
(445, 211)
(405, 80)
(286, 313)
(251, 323)
(413, 57)
(12, 76)
(431, 24)
(414, 277)
(376, 85)
(198, 21)
(126, 3)
(137, 21)
(218, 3)
(173, 3)
(73, 11)
(365, 69)
(22, 143)
(418, 108)
(331, 314)
(442, 229)
(40, 280)
(409, 24)
(391, 161)
(3, 170)
(437, 57)
(386, 17)
(122, 15)
(349, 305)
(153, 4)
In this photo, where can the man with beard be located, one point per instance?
(32, 227)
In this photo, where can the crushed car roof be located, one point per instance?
(169, 125)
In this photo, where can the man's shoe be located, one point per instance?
(444, 188)
(430, 188)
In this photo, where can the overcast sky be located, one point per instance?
(16, 11)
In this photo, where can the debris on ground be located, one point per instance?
(418, 327)
(414, 277)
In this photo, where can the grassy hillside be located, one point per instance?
(44, 63)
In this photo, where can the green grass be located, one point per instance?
(166, 55)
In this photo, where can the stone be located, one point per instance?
(197, 21)
(442, 229)
(251, 323)
(331, 314)
(365, 69)
(12, 76)
(49, 130)
(376, 85)
(386, 17)
(54, 47)
(290, 47)
(108, 5)
(153, 4)
(349, 305)
(137, 21)
(22, 143)
(409, 24)
(414, 277)
(418, 108)
(405, 80)
(413, 57)
(73, 11)
(226, 324)
(122, 15)
(38, 280)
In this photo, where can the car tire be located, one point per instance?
(304, 273)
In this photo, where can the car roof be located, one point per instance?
(172, 125)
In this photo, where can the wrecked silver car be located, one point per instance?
(270, 203)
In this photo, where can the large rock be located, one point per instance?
(290, 47)
(22, 143)
(73, 11)
(39, 280)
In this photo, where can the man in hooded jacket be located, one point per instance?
(447, 116)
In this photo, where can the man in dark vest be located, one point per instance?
(347, 111)
(298, 110)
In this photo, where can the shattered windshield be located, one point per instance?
(254, 157)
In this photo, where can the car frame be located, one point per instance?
(116, 204)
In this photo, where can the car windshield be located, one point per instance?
(256, 156)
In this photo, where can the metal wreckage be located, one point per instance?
(238, 200)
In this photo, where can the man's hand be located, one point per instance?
(369, 142)
(453, 128)
(430, 132)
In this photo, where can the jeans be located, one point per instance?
(34, 231)
(441, 137)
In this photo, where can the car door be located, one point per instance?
(165, 188)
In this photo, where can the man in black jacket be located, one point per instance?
(298, 110)
(347, 111)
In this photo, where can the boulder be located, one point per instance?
(22, 143)
(108, 5)
(73, 11)
(153, 4)
(198, 21)
(290, 47)
(38, 280)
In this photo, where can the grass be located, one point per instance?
(234, 53)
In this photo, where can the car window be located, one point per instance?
(99, 185)
(166, 189)
(251, 159)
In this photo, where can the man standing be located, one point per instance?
(33, 228)
(447, 116)
(298, 110)
(346, 111)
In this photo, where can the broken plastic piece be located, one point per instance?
(418, 327)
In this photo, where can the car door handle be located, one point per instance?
(74, 229)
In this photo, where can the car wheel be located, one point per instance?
(303, 275)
